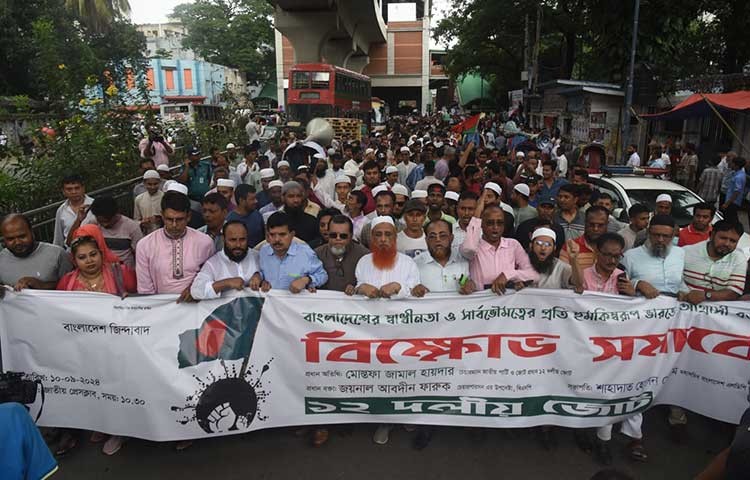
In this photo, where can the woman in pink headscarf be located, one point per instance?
(97, 268)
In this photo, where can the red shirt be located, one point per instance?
(689, 236)
(370, 205)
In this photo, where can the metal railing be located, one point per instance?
(43, 218)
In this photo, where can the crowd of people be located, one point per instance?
(405, 211)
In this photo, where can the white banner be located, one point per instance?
(147, 367)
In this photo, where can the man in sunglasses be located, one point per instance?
(340, 255)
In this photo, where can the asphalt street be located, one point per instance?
(454, 454)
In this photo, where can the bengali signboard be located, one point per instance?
(150, 368)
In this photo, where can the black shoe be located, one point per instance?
(602, 452)
(678, 433)
(423, 438)
(583, 439)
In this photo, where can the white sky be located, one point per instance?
(156, 11)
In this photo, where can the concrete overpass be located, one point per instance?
(339, 32)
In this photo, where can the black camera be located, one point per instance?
(14, 387)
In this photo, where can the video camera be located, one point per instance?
(14, 387)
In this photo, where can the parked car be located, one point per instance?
(627, 190)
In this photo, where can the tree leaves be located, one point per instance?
(235, 33)
(590, 39)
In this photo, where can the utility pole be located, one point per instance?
(536, 47)
(629, 88)
(526, 51)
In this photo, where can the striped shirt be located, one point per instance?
(586, 253)
(572, 229)
(706, 274)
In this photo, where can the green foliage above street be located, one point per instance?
(235, 33)
(590, 39)
(51, 53)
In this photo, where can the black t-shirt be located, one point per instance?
(305, 227)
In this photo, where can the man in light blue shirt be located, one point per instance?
(735, 191)
(285, 264)
(656, 266)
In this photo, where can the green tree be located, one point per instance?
(235, 33)
(98, 15)
(590, 39)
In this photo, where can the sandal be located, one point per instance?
(97, 437)
(637, 451)
(67, 443)
(320, 436)
(183, 445)
(113, 445)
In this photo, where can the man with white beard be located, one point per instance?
(657, 267)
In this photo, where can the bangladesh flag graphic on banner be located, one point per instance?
(226, 333)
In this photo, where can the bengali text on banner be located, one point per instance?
(150, 368)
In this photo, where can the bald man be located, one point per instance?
(26, 263)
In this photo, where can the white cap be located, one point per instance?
(162, 168)
(419, 194)
(508, 208)
(303, 167)
(331, 151)
(369, 151)
(378, 189)
(399, 189)
(319, 156)
(230, 146)
(267, 173)
(178, 187)
(523, 189)
(494, 187)
(275, 183)
(520, 154)
(342, 179)
(438, 144)
(544, 232)
(282, 163)
(378, 220)
(451, 195)
(406, 149)
(351, 171)
(409, 144)
(225, 182)
(664, 197)
(390, 169)
(167, 184)
(151, 174)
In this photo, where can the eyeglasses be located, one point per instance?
(342, 236)
(543, 243)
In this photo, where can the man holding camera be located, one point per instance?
(156, 147)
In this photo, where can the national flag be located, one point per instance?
(469, 125)
(226, 333)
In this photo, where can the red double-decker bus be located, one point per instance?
(322, 90)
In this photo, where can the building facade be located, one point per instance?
(178, 75)
(404, 73)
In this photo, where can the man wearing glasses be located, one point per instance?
(340, 255)
(605, 277)
(656, 267)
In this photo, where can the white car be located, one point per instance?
(627, 190)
